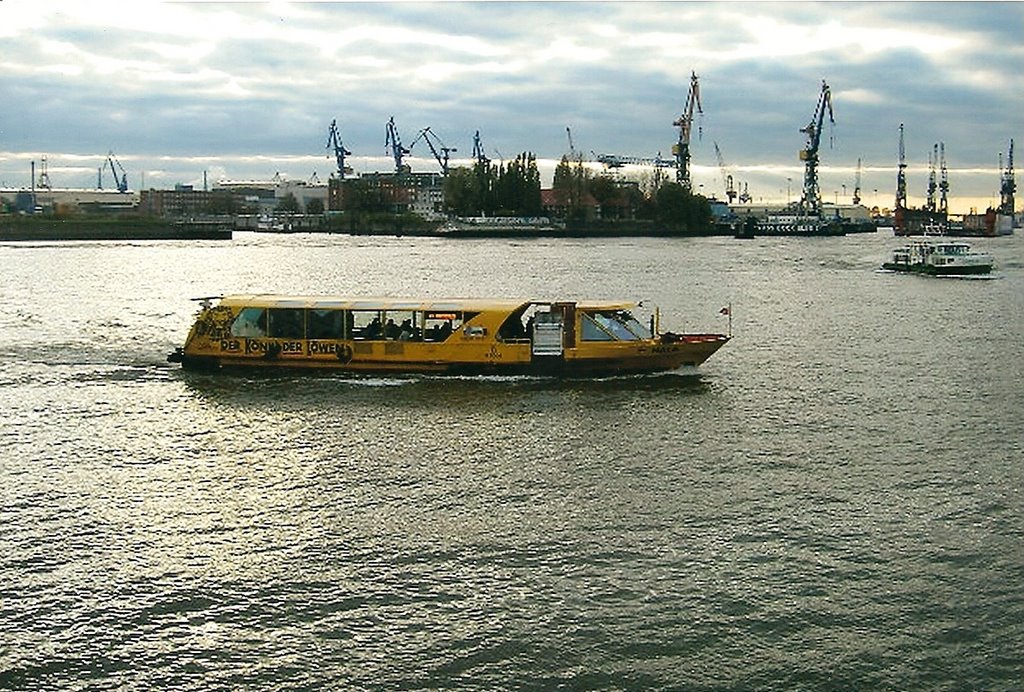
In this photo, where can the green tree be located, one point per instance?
(461, 195)
(681, 210)
(571, 182)
(605, 191)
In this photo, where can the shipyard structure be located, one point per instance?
(485, 198)
(933, 218)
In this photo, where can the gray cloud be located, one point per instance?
(190, 83)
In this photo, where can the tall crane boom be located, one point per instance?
(1007, 185)
(426, 134)
(394, 143)
(943, 180)
(340, 152)
(811, 201)
(901, 176)
(933, 159)
(478, 151)
(730, 189)
(616, 161)
(681, 150)
(120, 180)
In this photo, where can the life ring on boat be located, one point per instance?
(343, 353)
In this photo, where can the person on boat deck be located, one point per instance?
(373, 330)
(405, 333)
(391, 330)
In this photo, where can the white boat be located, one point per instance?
(799, 224)
(939, 256)
(497, 226)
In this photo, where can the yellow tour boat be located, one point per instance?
(460, 336)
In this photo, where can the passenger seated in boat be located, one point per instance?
(374, 329)
(391, 330)
(406, 331)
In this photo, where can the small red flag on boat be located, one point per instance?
(725, 311)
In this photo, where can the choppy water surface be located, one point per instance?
(835, 502)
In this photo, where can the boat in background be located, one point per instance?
(939, 257)
(800, 224)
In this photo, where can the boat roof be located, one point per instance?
(272, 300)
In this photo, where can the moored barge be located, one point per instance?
(457, 336)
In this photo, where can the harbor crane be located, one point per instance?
(811, 200)
(340, 152)
(681, 149)
(394, 142)
(478, 151)
(44, 177)
(943, 180)
(1007, 184)
(933, 158)
(120, 181)
(428, 136)
(901, 176)
(730, 189)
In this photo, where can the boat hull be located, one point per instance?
(649, 357)
(930, 270)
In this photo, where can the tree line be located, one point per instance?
(515, 190)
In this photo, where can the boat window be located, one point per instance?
(619, 325)
(513, 328)
(325, 324)
(592, 332)
(401, 325)
(366, 324)
(438, 325)
(250, 322)
(287, 323)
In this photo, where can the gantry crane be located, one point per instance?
(44, 177)
(681, 150)
(811, 200)
(394, 143)
(730, 189)
(933, 158)
(901, 176)
(427, 135)
(1007, 184)
(120, 181)
(943, 180)
(340, 152)
(478, 151)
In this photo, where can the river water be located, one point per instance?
(835, 502)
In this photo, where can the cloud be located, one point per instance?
(235, 82)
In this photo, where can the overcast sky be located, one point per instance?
(245, 90)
